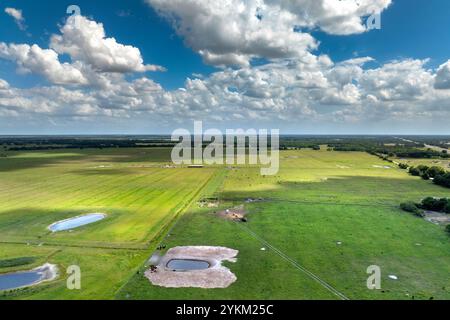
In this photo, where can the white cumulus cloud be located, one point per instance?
(442, 80)
(33, 59)
(85, 40)
(233, 32)
(17, 15)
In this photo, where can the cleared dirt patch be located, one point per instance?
(236, 214)
(437, 217)
(216, 276)
(209, 203)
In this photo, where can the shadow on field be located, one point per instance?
(124, 155)
(18, 162)
(28, 221)
(29, 160)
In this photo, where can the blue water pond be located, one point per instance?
(19, 279)
(187, 265)
(76, 222)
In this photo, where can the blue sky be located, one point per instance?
(412, 30)
(131, 22)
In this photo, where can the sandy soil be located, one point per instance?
(235, 214)
(208, 204)
(437, 217)
(49, 272)
(217, 276)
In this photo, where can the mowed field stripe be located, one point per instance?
(47, 190)
(71, 191)
(122, 188)
(310, 274)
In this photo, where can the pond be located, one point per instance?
(187, 265)
(76, 222)
(19, 279)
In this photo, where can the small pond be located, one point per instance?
(19, 279)
(76, 222)
(187, 265)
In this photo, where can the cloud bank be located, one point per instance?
(295, 87)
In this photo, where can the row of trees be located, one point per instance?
(438, 174)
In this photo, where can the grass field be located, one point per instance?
(318, 199)
(132, 186)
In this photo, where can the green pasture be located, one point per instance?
(332, 214)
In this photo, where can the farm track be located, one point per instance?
(299, 267)
(306, 202)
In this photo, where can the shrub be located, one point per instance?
(8, 263)
(433, 172)
(433, 204)
(414, 171)
(443, 180)
(403, 166)
(448, 228)
(411, 207)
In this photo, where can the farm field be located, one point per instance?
(139, 194)
(133, 187)
(330, 214)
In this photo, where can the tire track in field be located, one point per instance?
(316, 278)
(311, 202)
(126, 183)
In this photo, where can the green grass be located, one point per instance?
(103, 271)
(140, 196)
(318, 198)
(138, 200)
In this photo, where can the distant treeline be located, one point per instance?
(398, 150)
(36, 144)
(388, 146)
